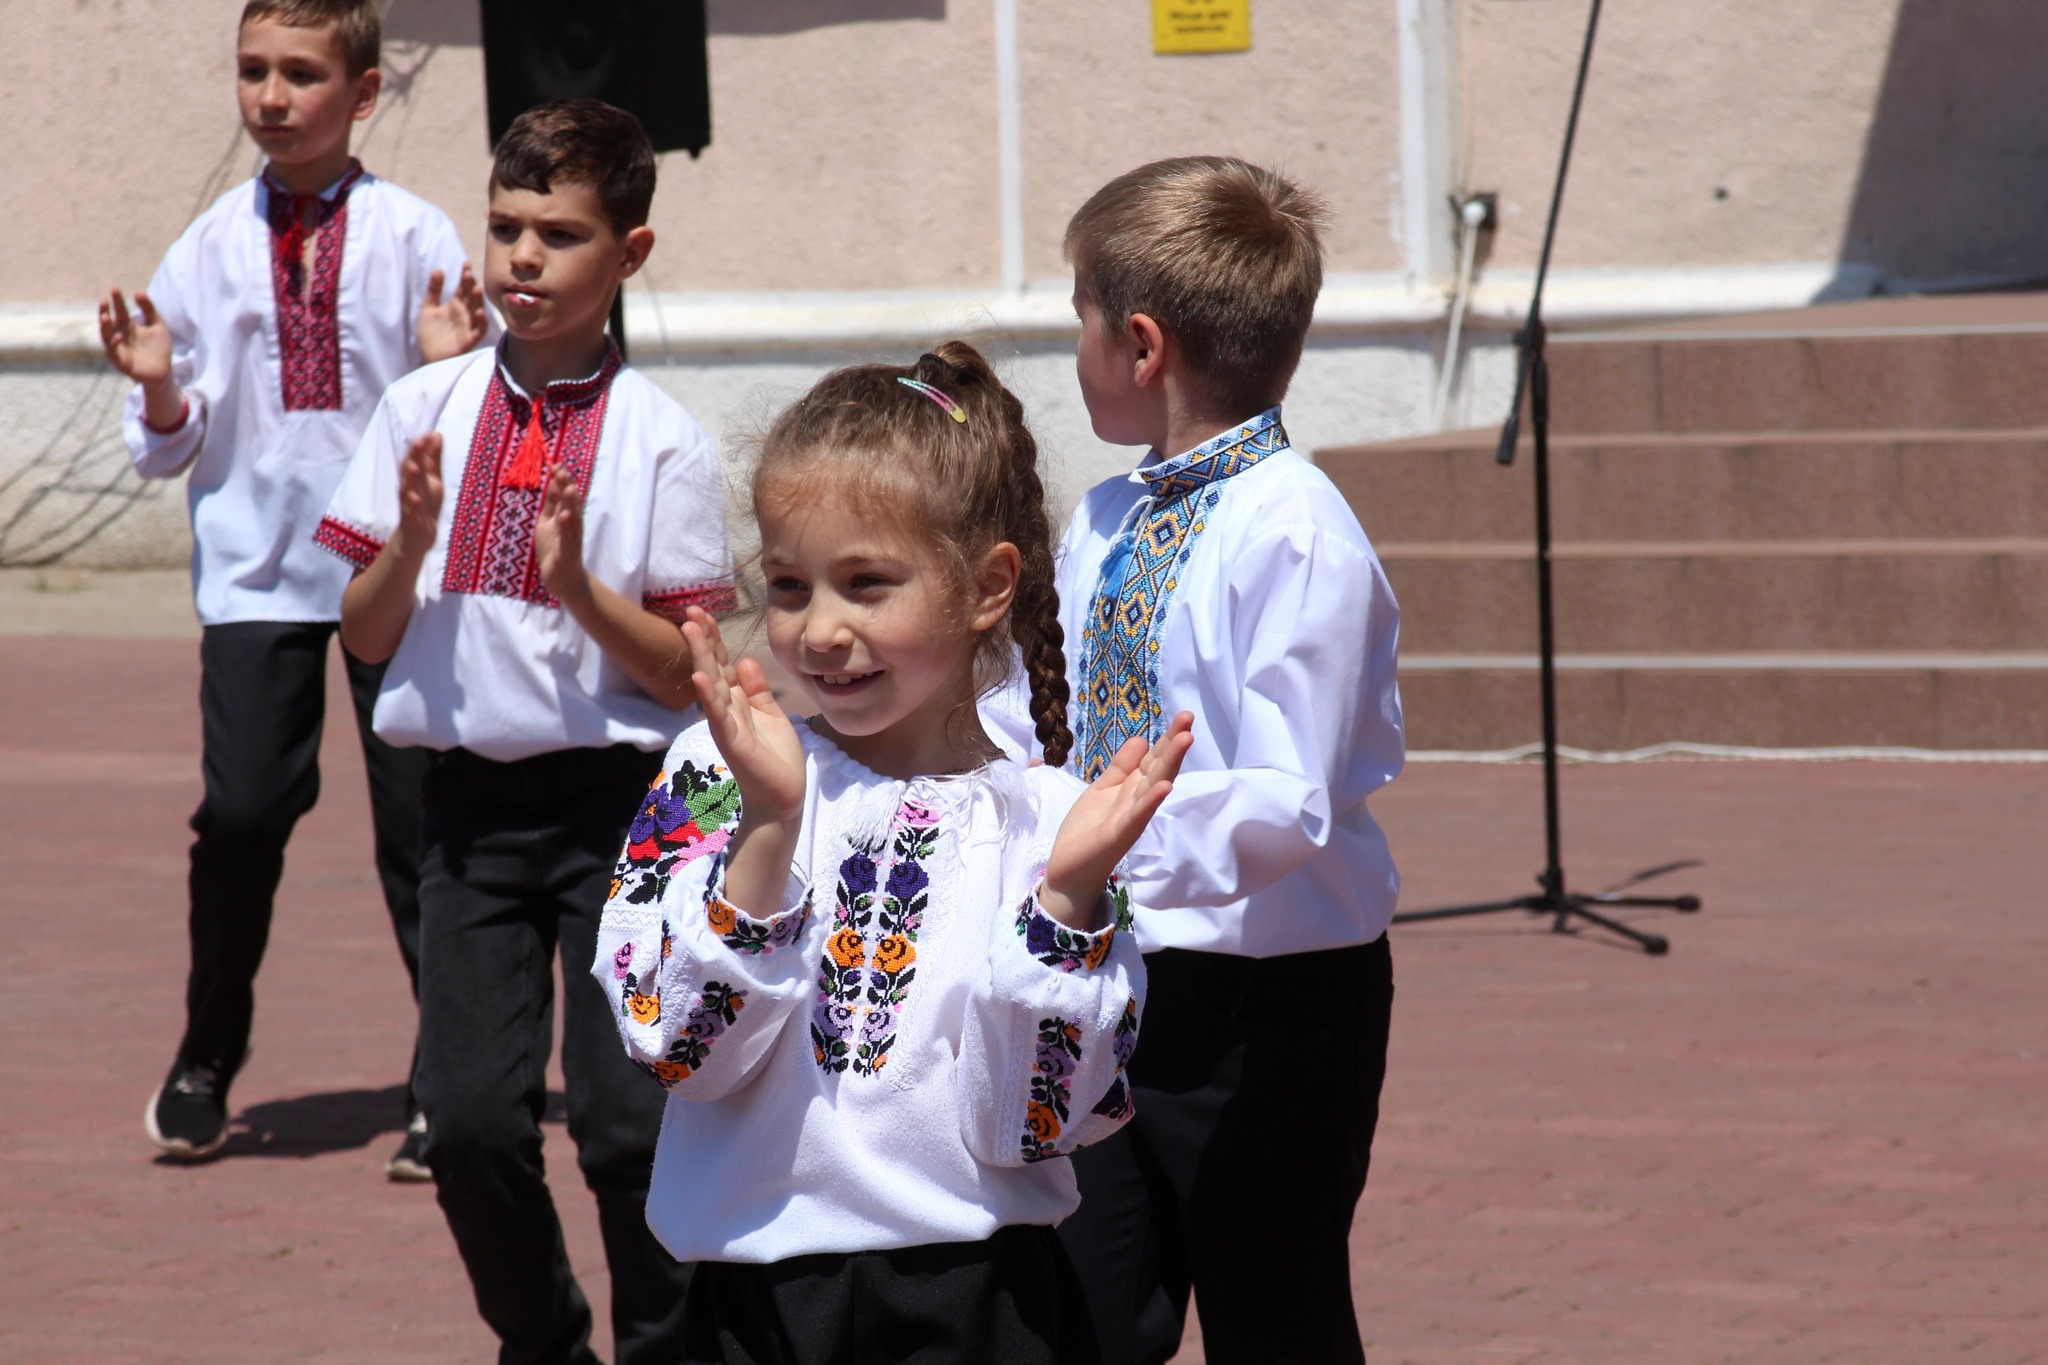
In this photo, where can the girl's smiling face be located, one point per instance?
(870, 619)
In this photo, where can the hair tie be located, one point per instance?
(937, 395)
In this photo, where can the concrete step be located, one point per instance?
(1928, 701)
(1782, 486)
(1968, 363)
(1714, 597)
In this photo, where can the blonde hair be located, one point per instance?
(1225, 255)
(965, 486)
(356, 25)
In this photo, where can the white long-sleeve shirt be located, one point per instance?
(281, 380)
(490, 661)
(901, 1052)
(1278, 631)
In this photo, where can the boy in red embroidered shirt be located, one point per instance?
(258, 352)
(529, 527)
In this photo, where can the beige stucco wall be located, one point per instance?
(855, 141)
(1769, 100)
(1317, 97)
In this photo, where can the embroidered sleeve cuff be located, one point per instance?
(352, 543)
(1071, 950)
(743, 933)
(184, 416)
(673, 604)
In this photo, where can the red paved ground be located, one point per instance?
(1814, 1132)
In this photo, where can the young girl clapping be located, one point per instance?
(882, 969)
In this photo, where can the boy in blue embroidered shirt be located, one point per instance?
(1230, 580)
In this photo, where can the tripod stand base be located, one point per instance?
(1564, 908)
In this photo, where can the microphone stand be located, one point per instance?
(1532, 380)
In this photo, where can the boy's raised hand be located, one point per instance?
(456, 326)
(757, 740)
(419, 495)
(139, 346)
(558, 538)
(1108, 819)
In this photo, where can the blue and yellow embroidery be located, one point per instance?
(1120, 640)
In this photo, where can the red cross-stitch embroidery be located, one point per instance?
(352, 543)
(673, 604)
(308, 330)
(490, 545)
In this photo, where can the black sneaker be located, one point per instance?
(188, 1115)
(408, 1165)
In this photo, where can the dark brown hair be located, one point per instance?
(1227, 256)
(969, 486)
(355, 23)
(582, 142)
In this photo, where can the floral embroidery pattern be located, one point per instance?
(742, 933)
(1045, 1113)
(687, 815)
(1065, 949)
(1116, 1102)
(870, 958)
(716, 1008)
(490, 541)
(640, 1007)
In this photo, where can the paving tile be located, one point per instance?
(1811, 1133)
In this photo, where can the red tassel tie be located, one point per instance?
(293, 247)
(530, 462)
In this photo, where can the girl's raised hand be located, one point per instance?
(756, 739)
(1108, 819)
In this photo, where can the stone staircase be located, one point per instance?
(1820, 528)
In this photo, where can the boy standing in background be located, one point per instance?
(259, 351)
(1226, 576)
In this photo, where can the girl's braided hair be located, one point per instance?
(968, 485)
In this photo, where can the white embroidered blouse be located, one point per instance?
(490, 660)
(900, 1053)
(281, 374)
(1258, 605)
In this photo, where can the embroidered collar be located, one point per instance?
(564, 393)
(1217, 458)
(338, 190)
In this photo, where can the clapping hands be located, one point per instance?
(456, 326)
(756, 739)
(1103, 825)
(419, 496)
(138, 345)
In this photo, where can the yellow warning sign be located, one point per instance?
(1211, 26)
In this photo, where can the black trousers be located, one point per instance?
(516, 862)
(1009, 1300)
(263, 702)
(1257, 1085)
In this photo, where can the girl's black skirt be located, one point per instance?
(1010, 1300)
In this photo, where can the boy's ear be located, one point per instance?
(368, 86)
(995, 585)
(1147, 340)
(637, 244)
